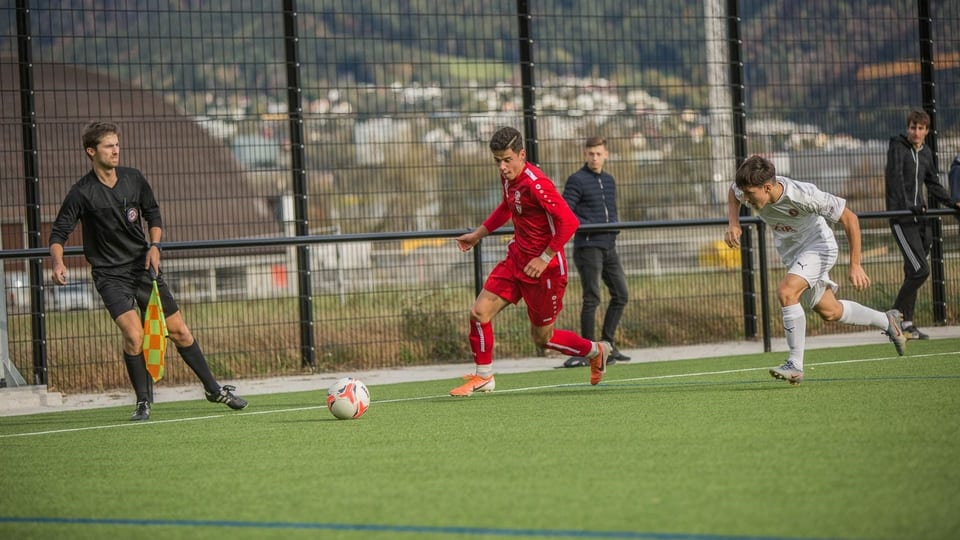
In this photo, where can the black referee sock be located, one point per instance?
(139, 378)
(193, 356)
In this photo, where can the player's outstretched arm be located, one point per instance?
(851, 227)
(466, 241)
(732, 235)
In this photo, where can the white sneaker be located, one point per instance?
(787, 372)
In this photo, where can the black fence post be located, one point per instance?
(928, 92)
(31, 177)
(478, 268)
(528, 88)
(764, 285)
(298, 168)
(735, 56)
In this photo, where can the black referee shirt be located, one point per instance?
(112, 228)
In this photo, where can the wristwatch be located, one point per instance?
(156, 245)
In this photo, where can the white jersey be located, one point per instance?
(799, 218)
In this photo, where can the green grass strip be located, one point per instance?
(710, 448)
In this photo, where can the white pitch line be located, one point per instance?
(723, 372)
(744, 370)
(420, 398)
(111, 426)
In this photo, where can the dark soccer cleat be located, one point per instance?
(225, 395)
(142, 412)
(912, 332)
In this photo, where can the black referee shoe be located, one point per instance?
(142, 412)
(225, 396)
(912, 332)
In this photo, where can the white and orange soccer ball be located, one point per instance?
(348, 398)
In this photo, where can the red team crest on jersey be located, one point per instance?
(132, 215)
(516, 202)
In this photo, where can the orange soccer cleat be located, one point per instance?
(475, 383)
(598, 364)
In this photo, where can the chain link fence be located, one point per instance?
(335, 118)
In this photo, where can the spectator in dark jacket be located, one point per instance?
(909, 168)
(954, 177)
(592, 195)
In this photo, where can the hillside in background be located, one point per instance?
(837, 58)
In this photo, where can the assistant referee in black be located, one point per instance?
(112, 202)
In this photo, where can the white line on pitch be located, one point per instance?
(420, 398)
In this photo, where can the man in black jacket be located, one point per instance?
(954, 178)
(910, 166)
(592, 195)
(112, 202)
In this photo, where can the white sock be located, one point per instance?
(854, 313)
(485, 370)
(795, 328)
(906, 324)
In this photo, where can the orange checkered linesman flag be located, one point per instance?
(154, 335)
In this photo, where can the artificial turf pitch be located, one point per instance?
(866, 447)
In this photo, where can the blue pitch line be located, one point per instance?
(607, 383)
(360, 527)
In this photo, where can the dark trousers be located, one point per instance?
(914, 243)
(595, 264)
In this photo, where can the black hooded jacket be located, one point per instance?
(907, 171)
(954, 177)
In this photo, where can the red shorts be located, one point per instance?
(544, 297)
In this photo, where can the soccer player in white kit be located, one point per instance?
(797, 213)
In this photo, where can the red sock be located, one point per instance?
(570, 343)
(481, 342)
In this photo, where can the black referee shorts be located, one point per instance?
(124, 288)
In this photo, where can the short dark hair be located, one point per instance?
(595, 141)
(917, 116)
(506, 138)
(755, 172)
(95, 132)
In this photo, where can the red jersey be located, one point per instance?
(541, 217)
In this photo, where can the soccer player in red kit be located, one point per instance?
(534, 270)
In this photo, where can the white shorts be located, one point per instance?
(814, 267)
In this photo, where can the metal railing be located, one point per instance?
(754, 270)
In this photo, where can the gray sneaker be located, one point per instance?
(896, 335)
(787, 372)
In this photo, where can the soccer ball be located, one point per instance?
(348, 398)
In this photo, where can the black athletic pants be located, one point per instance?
(595, 264)
(914, 242)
